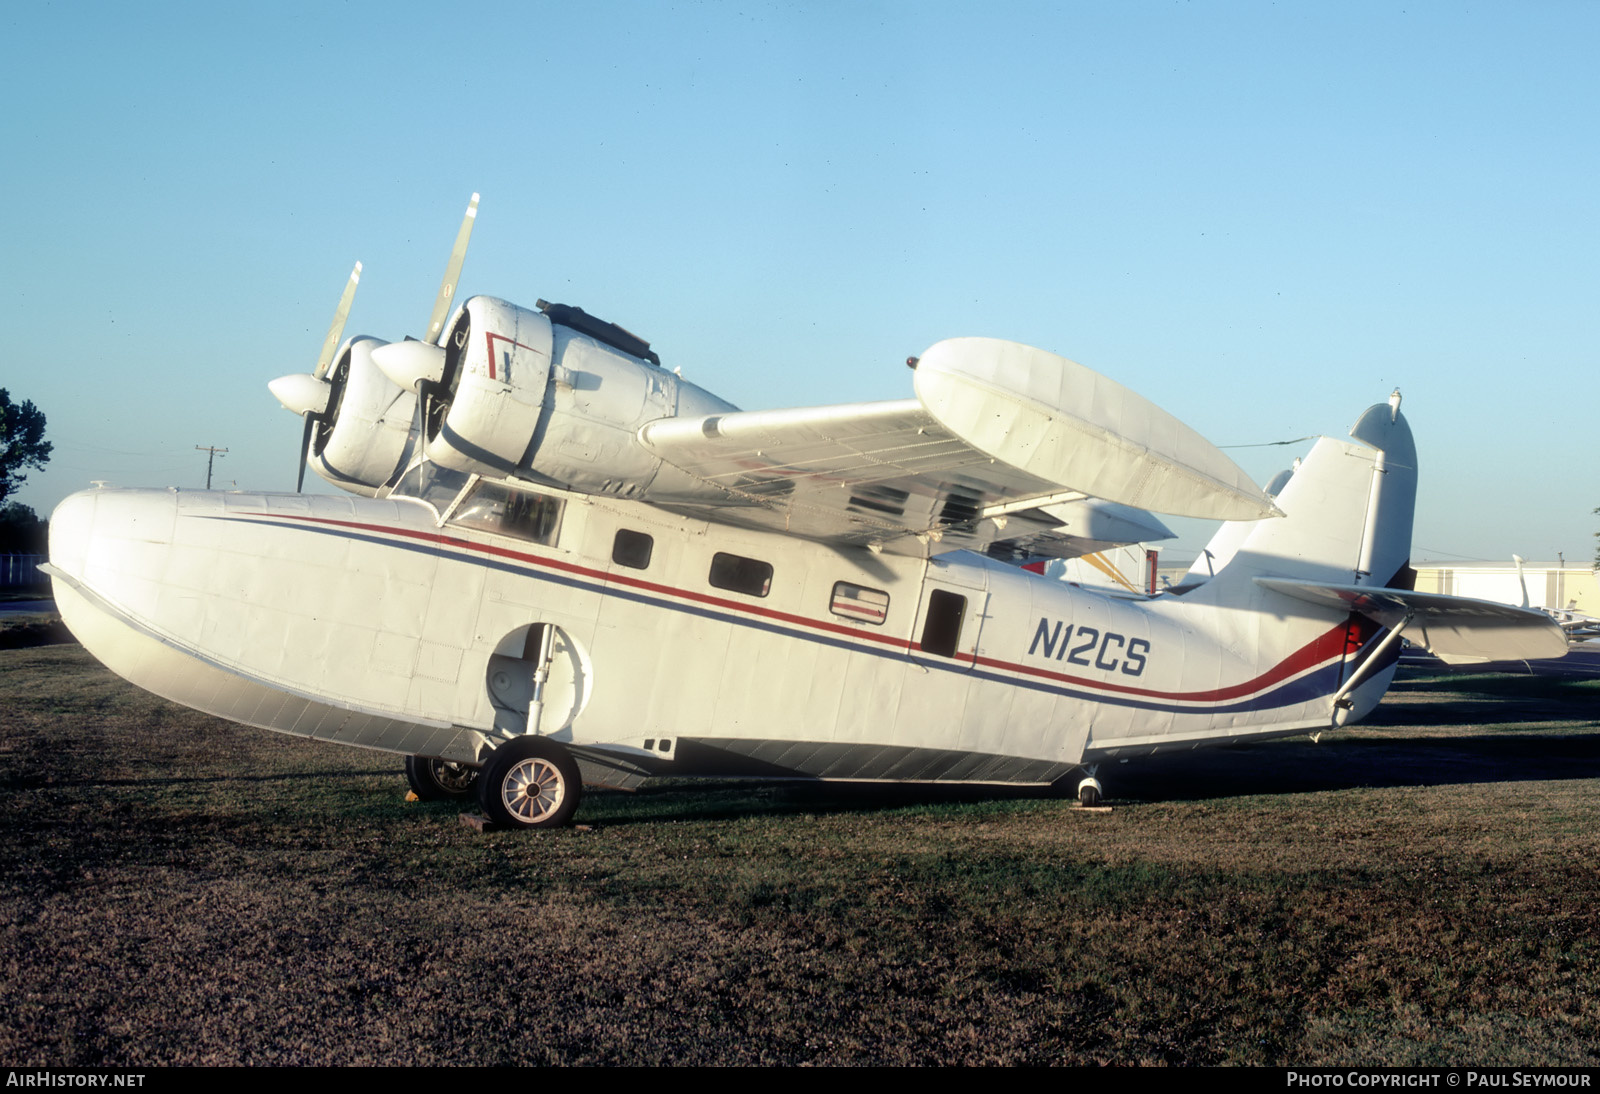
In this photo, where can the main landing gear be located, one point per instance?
(530, 782)
(436, 780)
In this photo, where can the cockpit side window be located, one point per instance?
(507, 511)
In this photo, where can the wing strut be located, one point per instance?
(1361, 674)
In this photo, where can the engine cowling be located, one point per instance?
(524, 393)
(360, 440)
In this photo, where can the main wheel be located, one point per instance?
(436, 780)
(530, 782)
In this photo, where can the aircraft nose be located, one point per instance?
(70, 525)
(98, 535)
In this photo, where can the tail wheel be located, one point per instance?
(436, 780)
(530, 782)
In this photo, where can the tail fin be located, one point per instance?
(1347, 521)
(1315, 590)
(1347, 518)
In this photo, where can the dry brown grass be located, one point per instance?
(178, 890)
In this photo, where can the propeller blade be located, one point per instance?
(330, 345)
(305, 446)
(452, 272)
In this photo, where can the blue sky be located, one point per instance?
(1262, 216)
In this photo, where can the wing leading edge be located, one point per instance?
(1005, 444)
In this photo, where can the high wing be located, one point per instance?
(1006, 448)
(885, 475)
(1004, 445)
(508, 602)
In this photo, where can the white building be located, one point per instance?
(1550, 584)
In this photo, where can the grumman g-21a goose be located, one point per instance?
(559, 564)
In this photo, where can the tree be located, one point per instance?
(21, 530)
(22, 442)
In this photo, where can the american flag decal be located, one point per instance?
(854, 602)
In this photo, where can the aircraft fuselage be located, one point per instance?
(650, 643)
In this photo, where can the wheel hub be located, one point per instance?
(533, 790)
(454, 777)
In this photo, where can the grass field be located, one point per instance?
(1421, 890)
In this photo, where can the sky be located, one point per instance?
(1263, 217)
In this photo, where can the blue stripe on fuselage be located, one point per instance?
(1309, 686)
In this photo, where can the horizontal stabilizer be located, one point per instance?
(1455, 629)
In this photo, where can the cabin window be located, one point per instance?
(632, 549)
(859, 603)
(941, 631)
(508, 511)
(741, 575)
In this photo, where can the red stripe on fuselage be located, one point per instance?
(601, 575)
(1330, 644)
(1313, 653)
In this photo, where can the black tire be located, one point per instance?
(530, 782)
(1088, 795)
(436, 780)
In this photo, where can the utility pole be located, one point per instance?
(211, 459)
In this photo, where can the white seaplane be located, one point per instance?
(560, 564)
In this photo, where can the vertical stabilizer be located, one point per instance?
(1347, 521)
(1348, 511)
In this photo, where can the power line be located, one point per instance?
(210, 459)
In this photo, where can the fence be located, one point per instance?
(21, 571)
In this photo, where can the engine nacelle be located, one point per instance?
(523, 395)
(361, 439)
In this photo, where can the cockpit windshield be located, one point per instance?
(429, 482)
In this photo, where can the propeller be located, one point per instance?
(316, 396)
(452, 272)
(311, 395)
(420, 366)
